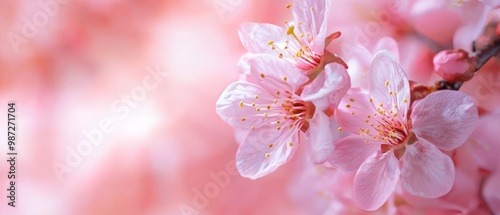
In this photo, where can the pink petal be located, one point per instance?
(331, 85)
(426, 171)
(312, 19)
(273, 73)
(320, 138)
(386, 76)
(445, 118)
(350, 152)
(376, 180)
(228, 105)
(475, 16)
(256, 157)
(254, 36)
(352, 116)
(491, 192)
(389, 44)
(484, 143)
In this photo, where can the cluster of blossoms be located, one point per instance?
(388, 144)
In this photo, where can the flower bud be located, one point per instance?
(454, 65)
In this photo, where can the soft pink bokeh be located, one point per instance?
(69, 76)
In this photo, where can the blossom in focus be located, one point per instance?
(395, 142)
(454, 65)
(281, 112)
(302, 41)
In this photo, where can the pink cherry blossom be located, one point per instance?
(281, 112)
(399, 142)
(302, 41)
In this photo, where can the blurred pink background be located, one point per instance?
(77, 70)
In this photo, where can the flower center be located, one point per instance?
(282, 110)
(297, 48)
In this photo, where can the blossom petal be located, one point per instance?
(232, 106)
(491, 192)
(389, 44)
(312, 13)
(273, 73)
(320, 138)
(388, 84)
(350, 152)
(353, 112)
(330, 86)
(264, 150)
(445, 118)
(255, 36)
(376, 180)
(426, 172)
(484, 144)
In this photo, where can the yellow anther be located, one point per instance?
(256, 97)
(243, 119)
(386, 83)
(371, 100)
(270, 145)
(280, 55)
(275, 101)
(312, 8)
(278, 122)
(285, 78)
(241, 104)
(348, 106)
(278, 127)
(257, 109)
(265, 114)
(268, 107)
(366, 141)
(340, 129)
(352, 113)
(262, 75)
(290, 30)
(404, 100)
(301, 35)
(351, 99)
(253, 104)
(288, 6)
(267, 155)
(270, 42)
(252, 127)
(290, 144)
(277, 93)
